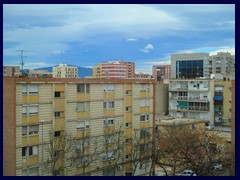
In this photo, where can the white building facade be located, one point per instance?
(192, 98)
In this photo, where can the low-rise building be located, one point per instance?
(11, 70)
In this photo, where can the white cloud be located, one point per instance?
(149, 46)
(225, 49)
(131, 39)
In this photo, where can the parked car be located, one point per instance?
(218, 167)
(186, 172)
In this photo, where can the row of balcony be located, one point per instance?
(193, 108)
(189, 98)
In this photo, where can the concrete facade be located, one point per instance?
(58, 102)
(162, 99)
(192, 98)
(161, 72)
(11, 70)
(224, 64)
(65, 71)
(114, 69)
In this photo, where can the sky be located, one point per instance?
(85, 35)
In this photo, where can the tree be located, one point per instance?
(183, 148)
(58, 149)
(140, 148)
(85, 152)
(112, 149)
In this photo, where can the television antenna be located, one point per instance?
(22, 62)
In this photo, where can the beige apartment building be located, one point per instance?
(11, 70)
(65, 71)
(38, 111)
(222, 65)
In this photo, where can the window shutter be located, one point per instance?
(33, 109)
(87, 106)
(80, 106)
(24, 89)
(24, 110)
(33, 89)
(24, 130)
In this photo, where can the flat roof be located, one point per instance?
(180, 121)
(81, 80)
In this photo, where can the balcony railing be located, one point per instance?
(198, 98)
(198, 108)
(184, 88)
(179, 98)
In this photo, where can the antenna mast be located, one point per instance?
(22, 63)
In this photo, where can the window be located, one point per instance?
(144, 117)
(33, 110)
(144, 133)
(80, 88)
(128, 109)
(33, 89)
(87, 88)
(83, 106)
(84, 161)
(127, 125)
(109, 105)
(57, 133)
(57, 114)
(109, 172)
(80, 125)
(126, 157)
(144, 102)
(128, 92)
(108, 156)
(24, 172)
(108, 122)
(109, 139)
(87, 124)
(143, 147)
(24, 110)
(108, 88)
(33, 129)
(33, 150)
(145, 87)
(57, 94)
(24, 151)
(24, 130)
(127, 141)
(80, 106)
(24, 89)
(33, 171)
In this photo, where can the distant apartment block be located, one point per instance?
(189, 66)
(192, 98)
(142, 75)
(40, 73)
(161, 72)
(65, 71)
(45, 108)
(222, 102)
(222, 66)
(114, 69)
(11, 70)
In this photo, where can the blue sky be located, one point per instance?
(85, 35)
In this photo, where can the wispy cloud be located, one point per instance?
(57, 52)
(131, 39)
